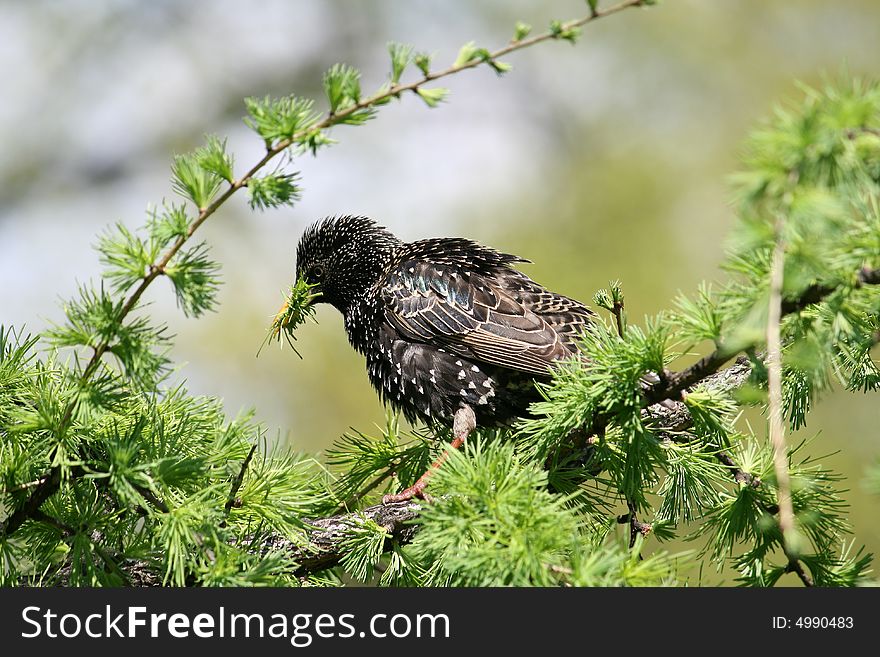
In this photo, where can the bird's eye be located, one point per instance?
(318, 271)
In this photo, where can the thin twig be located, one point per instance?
(774, 391)
(66, 530)
(236, 483)
(356, 497)
(617, 310)
(796, 567)
(150, 497)
(774, 387)
(636, 527)
(30, 484)
(740, 476)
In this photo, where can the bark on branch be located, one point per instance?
(327, 538)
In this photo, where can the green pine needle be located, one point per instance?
(297, 308)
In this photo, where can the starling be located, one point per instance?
(452, 333)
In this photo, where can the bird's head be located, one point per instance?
(342, 257)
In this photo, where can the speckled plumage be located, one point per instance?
(443, 323)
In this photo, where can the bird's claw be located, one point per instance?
(417, 490)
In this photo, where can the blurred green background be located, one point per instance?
(599, 161)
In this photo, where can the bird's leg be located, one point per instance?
(462, 424)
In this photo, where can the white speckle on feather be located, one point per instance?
(461, 374)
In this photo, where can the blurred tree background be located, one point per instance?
(606, 160)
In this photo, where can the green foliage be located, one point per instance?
(366, 464)
(745, 515)
(191, 180)
(699, 318)
(156, 476)
(126, 256)
(432, 97)
(521, 31)
(470, 53)
(104, 463)
(273, 190)
(606, 384)
(498, 525)
(297, 308)
(363, 548)
(279, 119)
(805, 167)
(213, 158)
(401, 57)
(138, 345)
(342, 84)
(560, 30)
(423, 61)
(693, 483)
(195, 279)
(172, 223)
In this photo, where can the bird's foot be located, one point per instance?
(463, 423)
(416, 490)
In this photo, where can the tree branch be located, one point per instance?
(327, 536)
(774, 387)
(50, 483)
(676, 382)
(673, 416)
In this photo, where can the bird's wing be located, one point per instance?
(503, 318)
